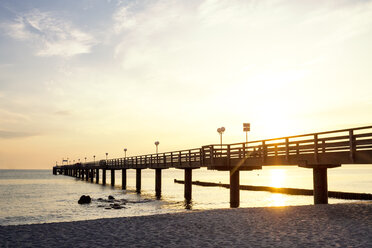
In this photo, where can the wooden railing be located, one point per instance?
(346, 140)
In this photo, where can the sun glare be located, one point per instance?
(277, 177)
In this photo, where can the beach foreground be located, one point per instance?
(337, 225)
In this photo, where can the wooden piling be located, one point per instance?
(112, 177)
(158, 183)
(124, 179)
(97, 175)
(91, 175)
(188, 184)
(320, 185)
(234, 189)
(138, 180)
(103, 176)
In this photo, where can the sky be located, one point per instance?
(82, 78)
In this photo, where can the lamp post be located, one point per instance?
(94, 159)
(85, 159)
(106, 156)
(156, 144)
(125, 152)
(221, 130)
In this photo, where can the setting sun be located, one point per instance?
(277, 177)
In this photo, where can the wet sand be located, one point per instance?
(337, 225)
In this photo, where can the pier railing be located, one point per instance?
(340, 146)
(315, 147)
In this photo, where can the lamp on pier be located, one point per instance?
(106, 156)
(221, 130)
(125, 152)
(94, 158)
(157, 144)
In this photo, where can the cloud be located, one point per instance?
(63, 113)
(52, 36)
(13, 135)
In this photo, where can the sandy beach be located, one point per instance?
(337, 225)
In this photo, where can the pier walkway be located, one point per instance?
(316, 151)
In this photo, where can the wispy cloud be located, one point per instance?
(52, 36)
(14, 134)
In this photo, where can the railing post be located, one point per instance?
(263, 152)
(179, 158)
(316, 157)
(228, 153)
(171, 159)
(276, 150)
(287, 149)
(298, 148)
(243, 150)
(352, 146)
(190, 158)
(201, 156)
(212, 155)
(164, 160)
(323, 146)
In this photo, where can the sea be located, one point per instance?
(38, 196)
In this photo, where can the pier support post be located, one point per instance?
(234, 189)
(87, 175)
(112, 177)
(158, 183)
(97, 175)
(320, 181)
(188, 184)
(124, 179)
(103, 176)
(91, 175)
(320, 185)
(82, 174)
(138, 180)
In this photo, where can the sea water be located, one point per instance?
(37, 196)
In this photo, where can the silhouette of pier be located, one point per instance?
(316, 151)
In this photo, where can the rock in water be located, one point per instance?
(110, 197)
(84, 199)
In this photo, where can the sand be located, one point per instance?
(337, 225)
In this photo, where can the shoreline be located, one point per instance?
(346, 224)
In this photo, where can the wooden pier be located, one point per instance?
(316, 151)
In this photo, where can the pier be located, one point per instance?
(316, 151)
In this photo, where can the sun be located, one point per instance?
(277, 177)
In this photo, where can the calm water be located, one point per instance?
(37, 196)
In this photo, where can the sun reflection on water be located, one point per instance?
(277, 200)
(277, 179)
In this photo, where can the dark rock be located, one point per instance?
(110, 197)
(85, 199)
(100, 199)
(116, 206)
